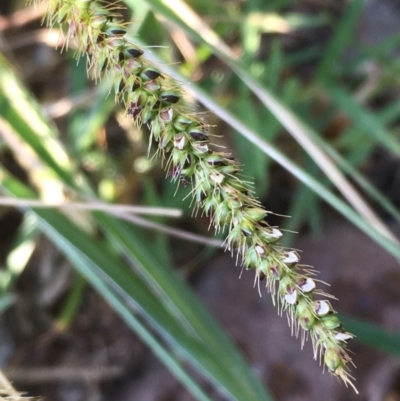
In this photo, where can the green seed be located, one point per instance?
(332, 359)
(331, 322)
(98, 21)
(182, 123)
(153, 86)
(255, 213)
(116, 42)
(305, 315)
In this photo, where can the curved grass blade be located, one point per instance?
(23, 113)
(254, 137)
(224, 369)
(364, 119)
(192, 25)
(343, 34)
(372, 335)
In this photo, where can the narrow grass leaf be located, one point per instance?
(22, 112)
(372, 335)
(272, 151)
(364, 119)
(187, 308)
(153, 306)
(6, 300)
(90, 271)
(201, 32)
(343, 32)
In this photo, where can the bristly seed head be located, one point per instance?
(157, 101)
(305, 315)
(217, 178)
(182, 122)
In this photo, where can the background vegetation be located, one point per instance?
(265, 70)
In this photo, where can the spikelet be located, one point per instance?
(154, 99)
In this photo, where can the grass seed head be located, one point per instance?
(156, 100)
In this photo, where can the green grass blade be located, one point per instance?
(322, 191)
(370, 189)
(217, 367)
(342, 35)
(134, 289)
(90, 271)
(364, 119)
(71, 306)
(174, 332)
(186, 307)
(381, 52)
(6, 300)
(24, 115)
(372, 335)
(374, 227)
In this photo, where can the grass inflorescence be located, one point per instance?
(154, 99)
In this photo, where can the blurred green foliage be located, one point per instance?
(91, 157)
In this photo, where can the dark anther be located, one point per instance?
(117, 31)
(216, 162)
(198, 136)
(203, 196)
(121, 86)
(262, 276)
(121, 57)
(157, 105)
(135, 53)
(170, 97)
(100, 38)
(187, 163)
(104, 66)
(136, 85)
(151, 74)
